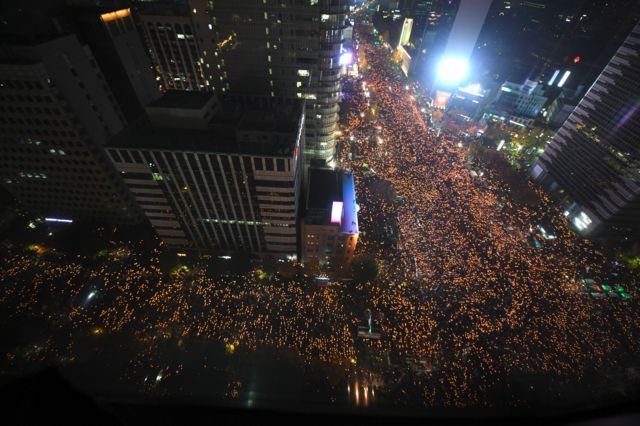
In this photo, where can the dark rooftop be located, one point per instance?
(324, 188)
(188, 99)
(277, 139)
(275, 120)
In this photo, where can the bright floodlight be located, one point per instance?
(452, 70)
(346, 58)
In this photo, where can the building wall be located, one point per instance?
(286, 49)
(327, 243)
(215, 201)
(55, 114)
(593, 159)
(122, 30)
(175, 51)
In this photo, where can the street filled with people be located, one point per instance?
(472, 289)
(478, 291)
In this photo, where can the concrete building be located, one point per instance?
(56, 113)
(131, 55)
(231, 185)
(592, 163)
(405, 33)
(517, 104)
(286, 50)
(179, 39)
(329, 229)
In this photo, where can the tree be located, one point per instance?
(364, 268)
(494, 134)
(287, 269)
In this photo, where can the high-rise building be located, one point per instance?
(120, 26)
(418, 10)
(56, 112)
(116, 44)
(532, 39)
(405, 33)
(179, 38)
(592, 162)
(217, 176)
(286, 50)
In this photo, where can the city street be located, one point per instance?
(466, 291)
(480, 299)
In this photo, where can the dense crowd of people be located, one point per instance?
(132, 295)
(461, 290)
(476, 297)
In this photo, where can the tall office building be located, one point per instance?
(56, 112)
(532, 39)
(592, 162)
(179, 38)
(116, 44)
(217, 176)
(286, 49)
(120, 26)
(419, 11)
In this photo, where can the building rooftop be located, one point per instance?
(233, 129)
(331, 200)
(324, 188)
(186, 99)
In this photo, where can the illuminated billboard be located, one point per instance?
(405, 34)
(441, 99)
(346, 58)
(336, 212)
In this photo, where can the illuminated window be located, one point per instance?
(194, 10)
(313, 2)
(156, 176)
(266, 30)
(303, 73)
(272, 93)
(299, 94)
(268, 58)
(268, 46)
(298, 84)
(324, 17)
(270, 71)
(310, 96)
(266, 16)
(180, 36)
(210, 26)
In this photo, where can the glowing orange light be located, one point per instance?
(118, 14)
